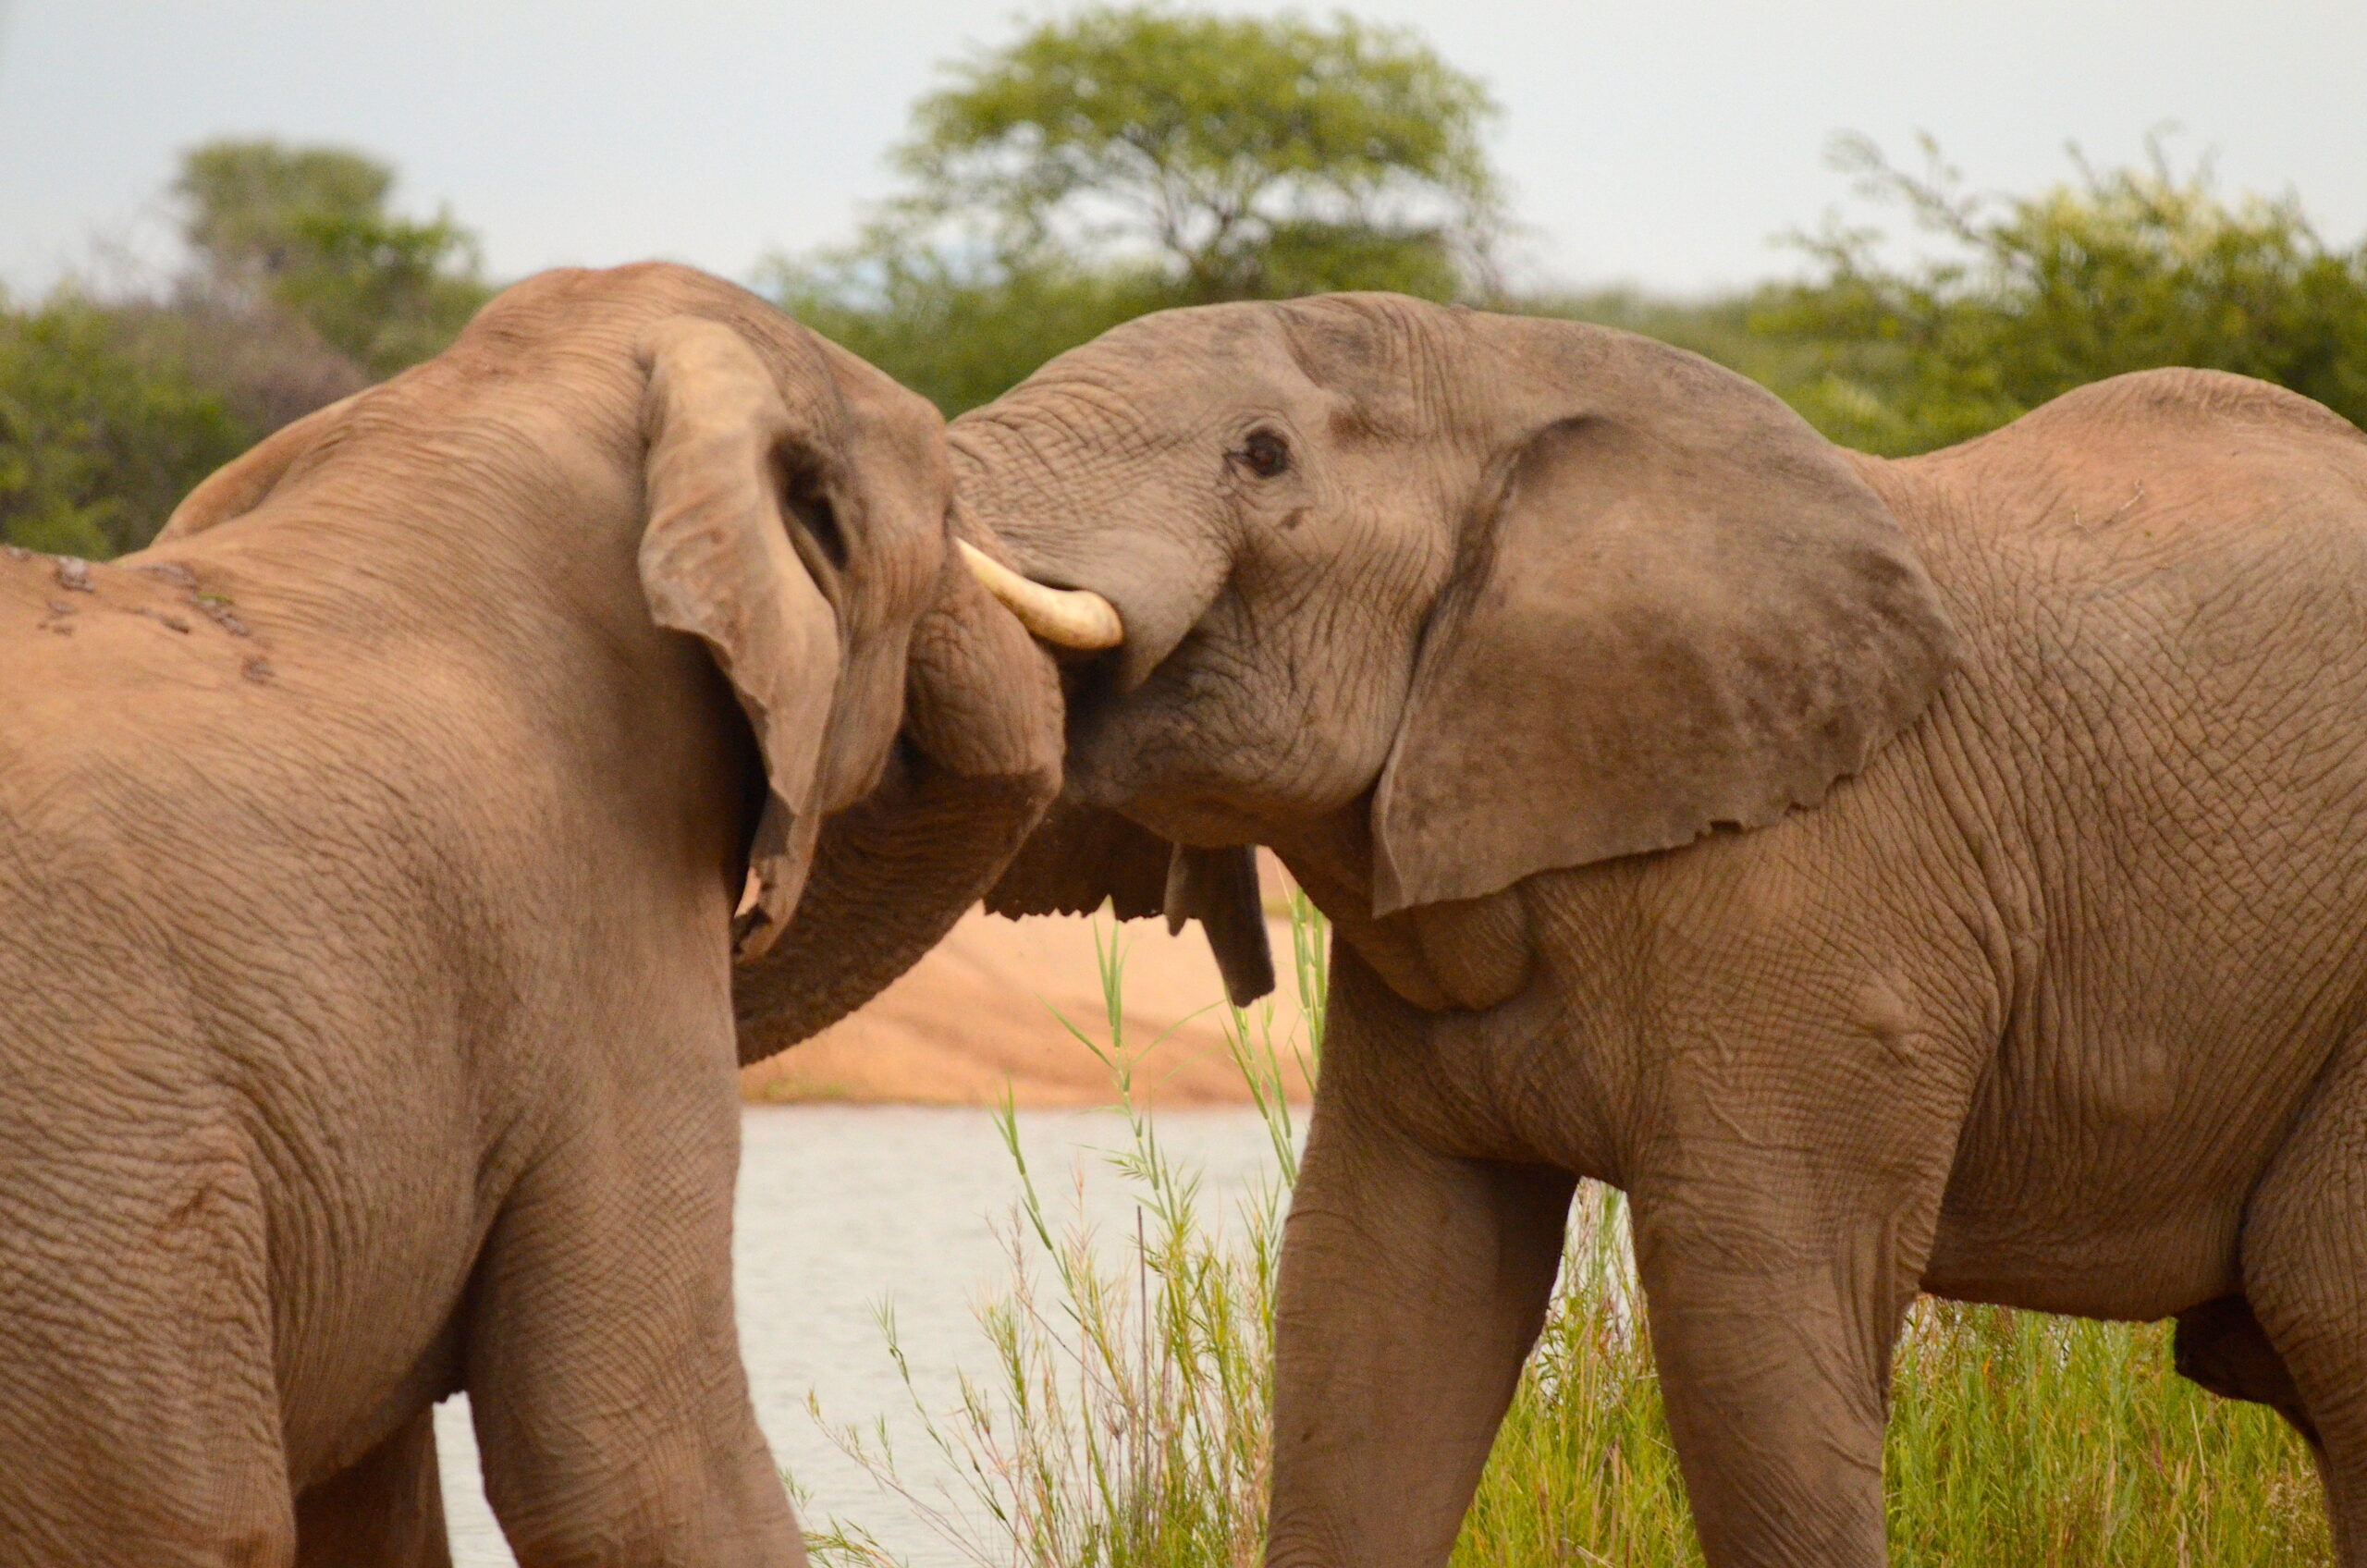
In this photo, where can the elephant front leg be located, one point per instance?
(603, 1365)
(1412, 1288)
(1773, 1338)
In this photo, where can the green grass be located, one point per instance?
(2017, 1440)
(1121, 1422)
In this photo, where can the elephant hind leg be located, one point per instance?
(385, 1511)
(2305, 1288)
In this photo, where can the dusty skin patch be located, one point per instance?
(65, 592)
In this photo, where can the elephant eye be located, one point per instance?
(1264, 454)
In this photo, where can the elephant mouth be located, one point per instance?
(1135, 750)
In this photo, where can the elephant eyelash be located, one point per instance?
(1264, 454)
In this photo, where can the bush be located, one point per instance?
(959, 336)
(102, 430)
(2120, 270)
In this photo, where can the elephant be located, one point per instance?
(397, 860)
(1945, 874)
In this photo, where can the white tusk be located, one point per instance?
(1067, 618)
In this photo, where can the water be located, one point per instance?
(843, 1206)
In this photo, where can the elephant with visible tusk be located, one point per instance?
(1942, 874)
(373, 853)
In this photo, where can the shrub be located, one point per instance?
(2119, 270)
(102, 428)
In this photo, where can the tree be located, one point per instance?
(302, 289)
(306, 229)
(1127, 159)
(2120, 270)
(1251, 156)
(245, 205)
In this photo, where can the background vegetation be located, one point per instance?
(1128, 158)
(300, 286)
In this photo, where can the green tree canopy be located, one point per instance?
(2120, 270)
(306, 229)
(247, 205)
(1129, 158)
(1248, 155)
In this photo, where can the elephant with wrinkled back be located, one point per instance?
(374, 851)
(1942, 874)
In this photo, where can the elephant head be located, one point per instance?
(796, 518)
(1432, 600)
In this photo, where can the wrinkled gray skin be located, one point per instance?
(1946, 874)
(369, 855)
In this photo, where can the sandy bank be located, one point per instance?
(979, 1011)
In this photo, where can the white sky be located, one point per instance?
(1662, 143)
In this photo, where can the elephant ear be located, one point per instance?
(892, 872)
(1682, 611)
(1080, 856)
(717, 562)
(247, 481)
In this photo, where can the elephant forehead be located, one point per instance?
(1076, 451)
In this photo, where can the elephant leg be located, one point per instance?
(2305, 1279)
(1773, 1338)
(1412, 1288)
(385, 1511)
(140, 1412)
(603, 1363)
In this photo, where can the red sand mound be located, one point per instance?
(978, 1013)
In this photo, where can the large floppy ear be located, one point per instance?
(717, 562)
(1679, 610)
(247, 481)
(892, 872)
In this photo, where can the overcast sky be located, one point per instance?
(1662, 143)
